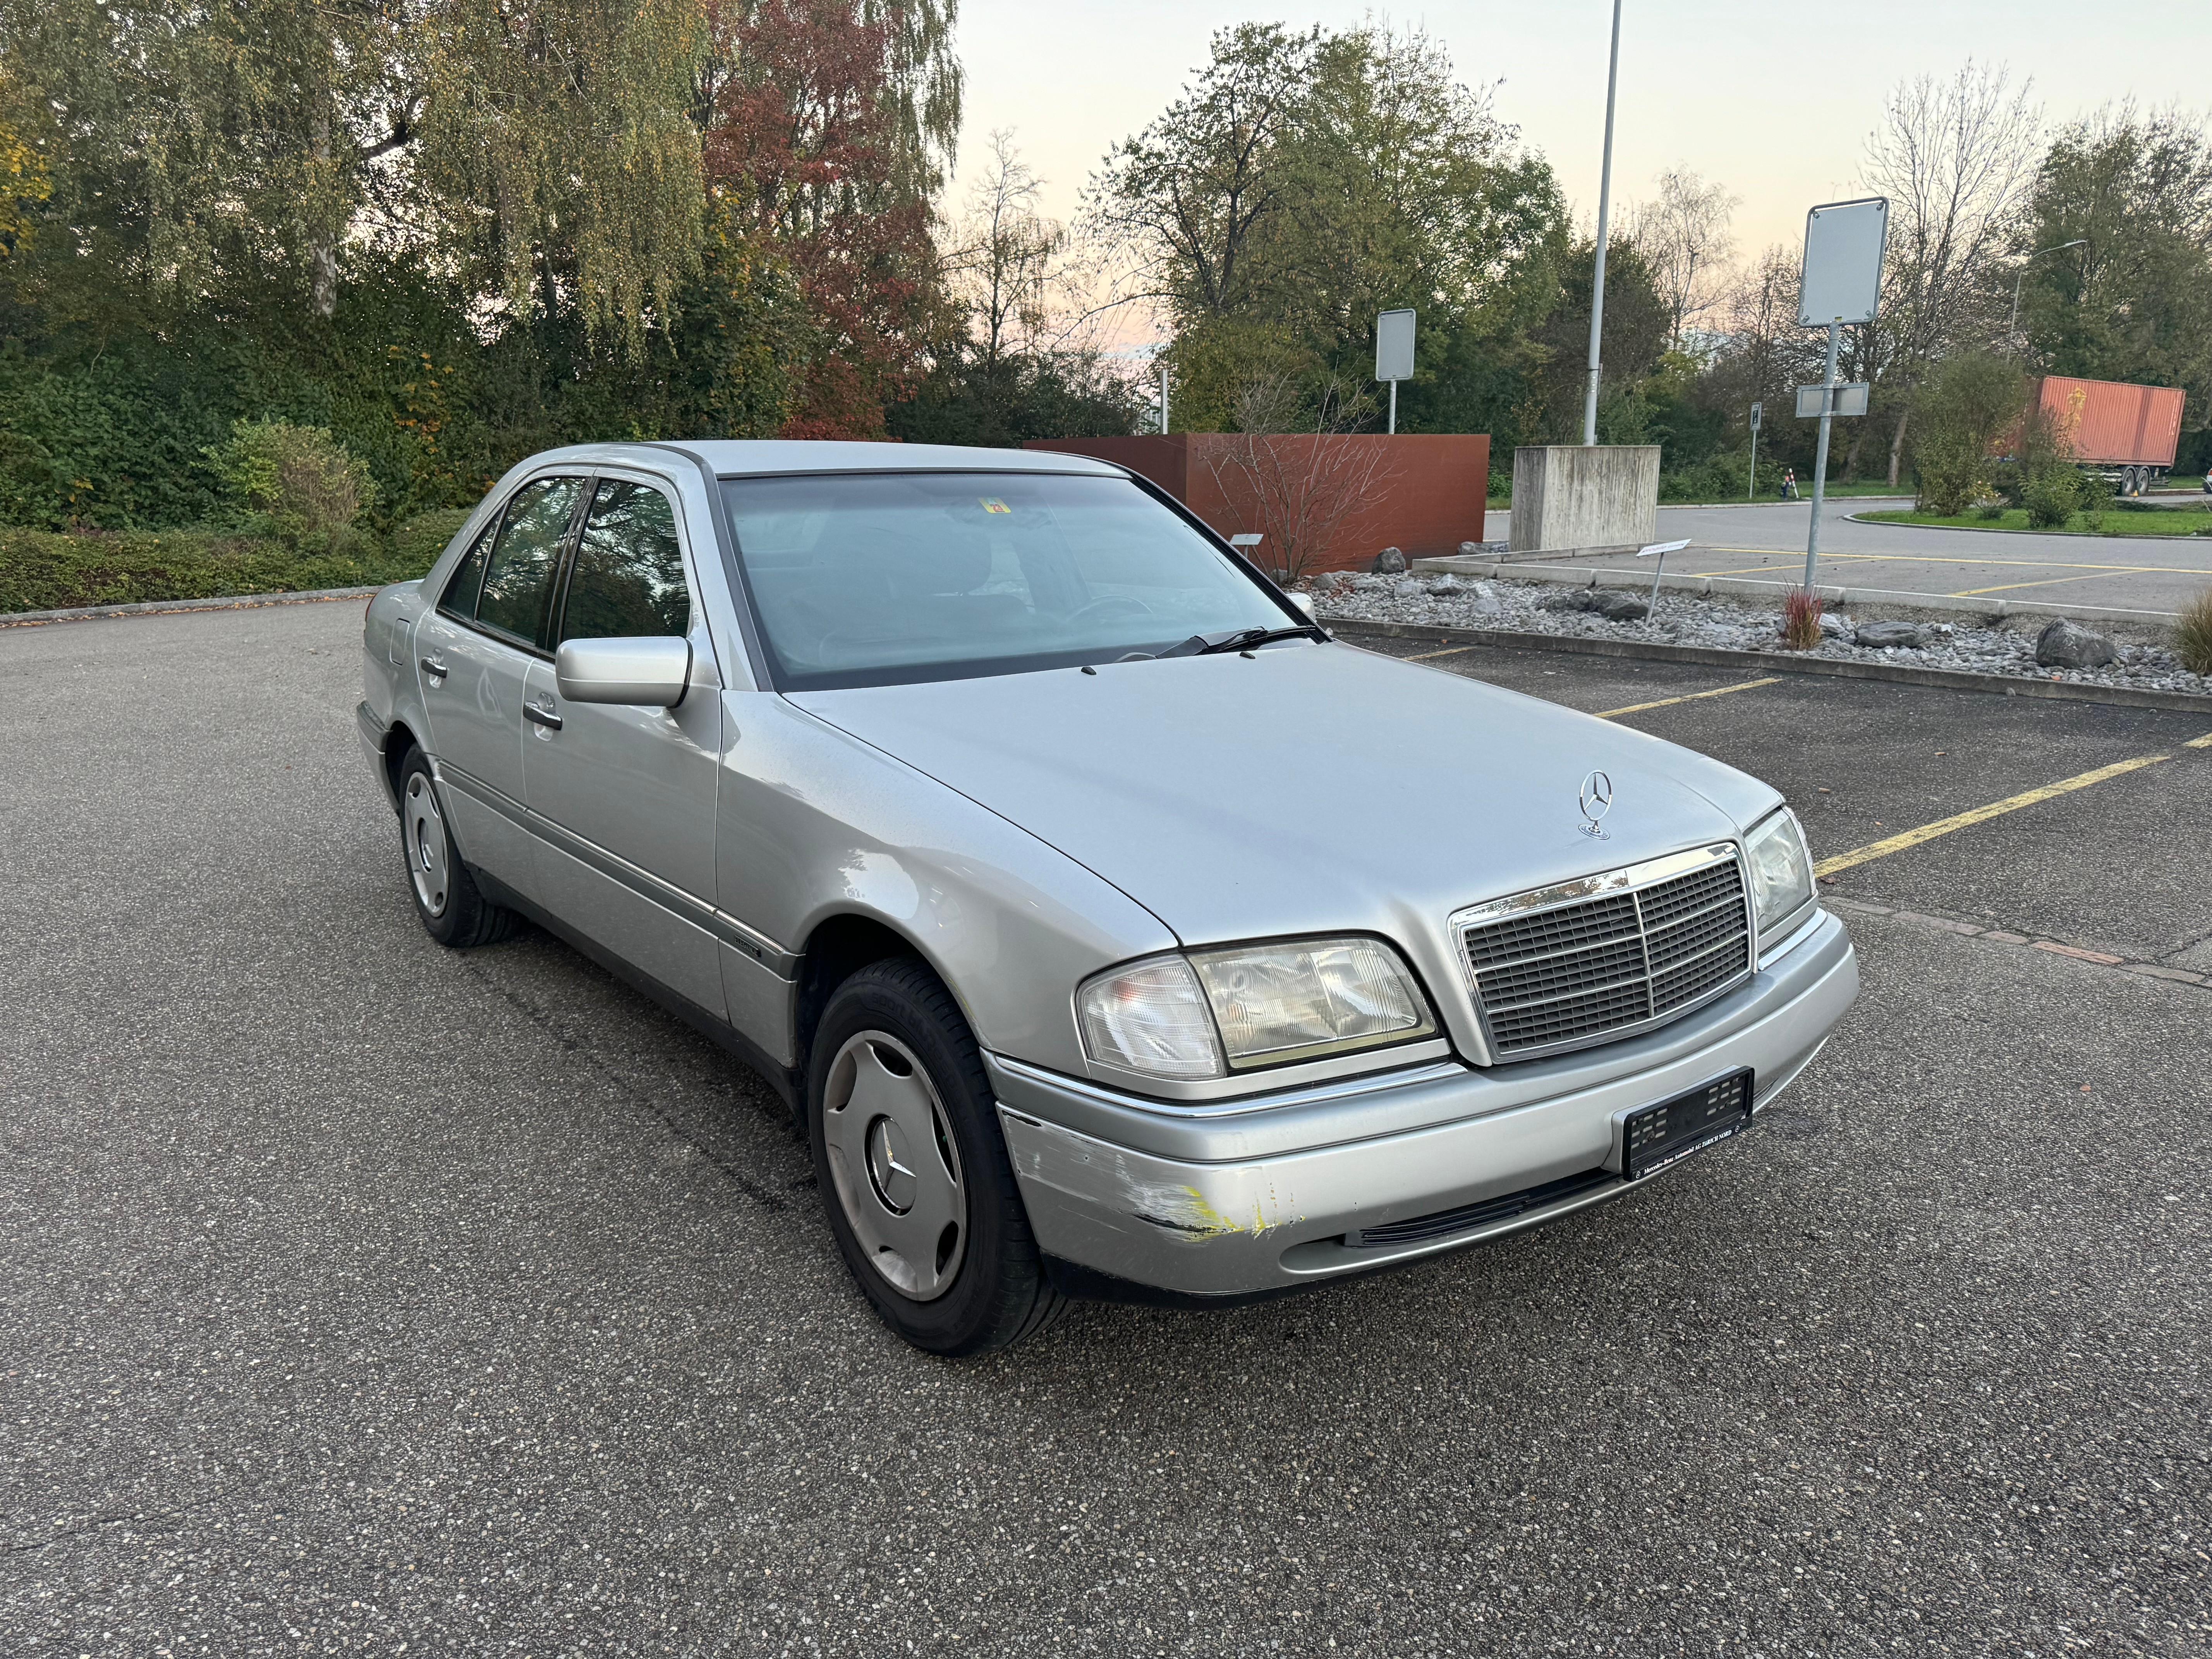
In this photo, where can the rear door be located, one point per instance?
(624, 798)
(474, 653)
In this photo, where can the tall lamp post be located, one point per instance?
(2013, 327)
(1604, 206)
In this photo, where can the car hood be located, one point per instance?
(1310, 787)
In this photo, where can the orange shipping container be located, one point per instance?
(2111, 423)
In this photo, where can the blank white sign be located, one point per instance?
(1393, 345)
(1844, 243)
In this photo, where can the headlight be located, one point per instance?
(1781, 873)
(1252, 1005)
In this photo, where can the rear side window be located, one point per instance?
(518, 576)
(460, 597)
(628, 576)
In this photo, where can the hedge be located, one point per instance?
(50, 570)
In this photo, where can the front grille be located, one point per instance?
(1578, 970)
(1468, 1216)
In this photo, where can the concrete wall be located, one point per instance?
(1593, 497)
(1422, 493)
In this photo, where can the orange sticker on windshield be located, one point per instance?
(992, 504)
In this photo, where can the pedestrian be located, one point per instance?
(1789, 483)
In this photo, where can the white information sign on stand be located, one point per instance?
(1839, 287)
(1844, 246)
(1393, 353)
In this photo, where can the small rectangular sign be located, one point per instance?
(1757, 410)
(1393, 345)
(1851, 398)
(1842, 278)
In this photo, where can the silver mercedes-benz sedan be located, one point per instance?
(1111, 930)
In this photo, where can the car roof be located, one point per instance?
(753, 457)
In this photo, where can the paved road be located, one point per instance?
(2145, 573)
(354, 1294)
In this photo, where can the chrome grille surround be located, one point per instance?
(1607, 955)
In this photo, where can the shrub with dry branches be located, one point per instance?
(1801, 621)
(1296, 481)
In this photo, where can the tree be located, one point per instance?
(1001, 260)
(2136, 303)
(1304, 182)
(1955, 158)
(824, 141)
(1683, 235)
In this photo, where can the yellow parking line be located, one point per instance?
(1423, 656)
(1690, 696)
(2204, 742)
(1897, 843)
(2007, 587)
(1938, 558)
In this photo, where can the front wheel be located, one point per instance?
(914, 1170)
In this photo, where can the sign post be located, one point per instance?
(1751, 489)
(1393, 353)
(1841, 283)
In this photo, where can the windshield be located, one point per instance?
(882, 579)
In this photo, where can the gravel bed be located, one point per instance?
(1729, 624)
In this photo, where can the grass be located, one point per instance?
(48, 570)
(2192, 635)
(2117, 521)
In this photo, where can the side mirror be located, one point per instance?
(1305, 602)
(645, 673)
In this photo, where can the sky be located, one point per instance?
(1754, 96)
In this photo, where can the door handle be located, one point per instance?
(544, 717)
(434, 668)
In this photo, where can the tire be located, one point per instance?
(446, 901)
(913, 1168)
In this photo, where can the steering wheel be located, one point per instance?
(1112, 604)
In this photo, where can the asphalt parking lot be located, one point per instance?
(358, 1297)
(1767, 541)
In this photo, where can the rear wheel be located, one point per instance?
(446, 901)
(914, 1170)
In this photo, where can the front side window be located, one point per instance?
(885, 579)
(628, 576)
(518, 576)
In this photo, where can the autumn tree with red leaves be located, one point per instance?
(829, 125)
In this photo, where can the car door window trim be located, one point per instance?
(563, 555)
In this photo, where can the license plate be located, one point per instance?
(1655, 1137)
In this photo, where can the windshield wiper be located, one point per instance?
(1242, 639)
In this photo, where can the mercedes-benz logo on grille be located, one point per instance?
(1595, 800)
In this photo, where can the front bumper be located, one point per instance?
(1260, 1196)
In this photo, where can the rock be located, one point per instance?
(1483, 600)
(1329, 580)
(1615, 606)
(1407, 587)
(1389, 561)
(1886, 635)
(1444, 585)
(1370, 584)
(1611, 602)
(2066, 644)
(1832, 625)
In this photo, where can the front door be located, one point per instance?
(474, 653)
(624, 797)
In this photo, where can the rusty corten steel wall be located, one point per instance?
(1427, 493)
(2113, 422)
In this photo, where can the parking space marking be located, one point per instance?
(1940, 558)
(1687, 697)
(2007, 587)
(1452, 651)
(1928, 832)
(2204, 742)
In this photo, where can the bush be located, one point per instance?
(43, 570)
(294, 481)
(1962, 414)
(416, 541)
(2192, 635)
(2052, 495)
